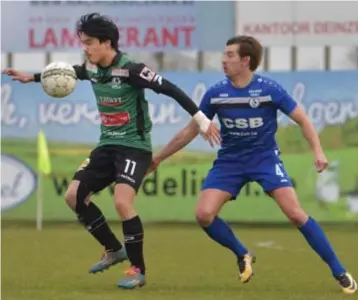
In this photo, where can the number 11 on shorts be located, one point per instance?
(130, 166)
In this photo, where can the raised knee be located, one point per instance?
(71, 197)
(204, 216)
(297, 216)
(77, 196)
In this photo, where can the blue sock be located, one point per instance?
(220, 232)
(319, 243)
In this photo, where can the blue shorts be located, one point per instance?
(267, 170)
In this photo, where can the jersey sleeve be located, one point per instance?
(81, 72)
(206, 107)
(283, 100)
(142, 76)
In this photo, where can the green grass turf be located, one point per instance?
(182, 263)
(254, 207)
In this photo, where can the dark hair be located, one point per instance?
(248, 46)
(100, 27)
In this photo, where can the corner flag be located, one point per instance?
(43, 168)
(43, 156)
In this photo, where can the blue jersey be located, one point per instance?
(248, 116)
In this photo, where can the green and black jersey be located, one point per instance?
(119, 90)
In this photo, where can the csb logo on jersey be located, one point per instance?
(243, 123)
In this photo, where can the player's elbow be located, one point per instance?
(300, 117)
(306, 125)
(167, 88)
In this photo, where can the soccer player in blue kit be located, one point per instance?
(246, 105)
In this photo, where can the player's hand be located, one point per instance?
(153, 166)
(212, 134)
(320, 162)
(18, 76)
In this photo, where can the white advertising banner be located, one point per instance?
(300, 23)
(142, 25)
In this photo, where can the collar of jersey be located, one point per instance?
(114, 62)
(240, 88)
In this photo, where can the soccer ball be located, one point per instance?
(58, 79)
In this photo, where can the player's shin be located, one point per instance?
(94, 221)
(91, 217)
(133, 238)
(316, 238)
(220, 232)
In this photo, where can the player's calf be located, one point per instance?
(91, 217)
(132, 228)
(209, 205)
(314, 235)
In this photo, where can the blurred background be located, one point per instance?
(311, 48)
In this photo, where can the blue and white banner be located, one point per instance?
(143, 25)
(329, 98)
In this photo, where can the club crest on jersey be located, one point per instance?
(254, 102)
(116, 82)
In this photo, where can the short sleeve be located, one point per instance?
(206, 107)
(283, 100)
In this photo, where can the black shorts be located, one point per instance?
(111, 163)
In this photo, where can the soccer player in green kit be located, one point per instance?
(124, 152)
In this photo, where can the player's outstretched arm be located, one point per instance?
(309, 132)
(180, 140)
(81, 73)
(26, 78)
(143, 77)
(19, 76)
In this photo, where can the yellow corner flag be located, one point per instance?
(43, 156)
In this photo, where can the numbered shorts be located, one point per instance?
(110, 163)
(268, 171)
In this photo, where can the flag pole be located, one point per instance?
(39, 201)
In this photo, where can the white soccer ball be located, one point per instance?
(58, 79)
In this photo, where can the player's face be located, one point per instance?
(233, 64)
(93, 49)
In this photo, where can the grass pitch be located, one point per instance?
(182, 264)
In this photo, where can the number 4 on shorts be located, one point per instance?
(279, 170)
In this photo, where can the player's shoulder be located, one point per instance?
(126, 59)
(90, 68)
(267, 84)
(218, 87)
(127, 66)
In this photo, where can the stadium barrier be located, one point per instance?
(71, 126)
